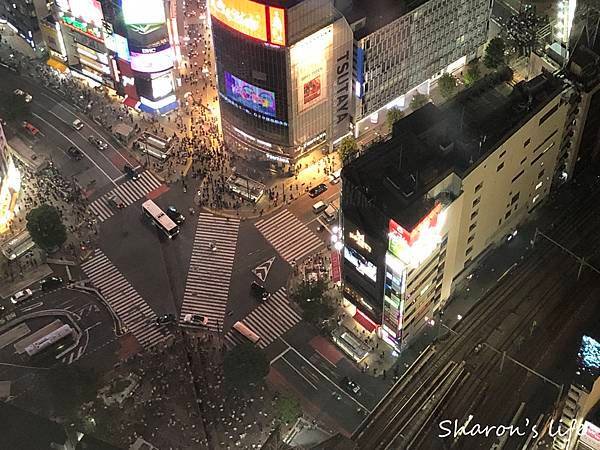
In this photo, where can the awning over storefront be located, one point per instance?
(131, 102)
(364, 321)
(336, 274)
(58, 65)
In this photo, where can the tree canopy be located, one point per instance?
(15, 107)
(245, 364)
(447, 85)
(288, 408)
(472, 73)
(418, 100)
(45, 227)
(347, 149)
(393, 116)
(314, 301)
(494, 53)
(70, 387)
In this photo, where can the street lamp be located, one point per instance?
(337, 238)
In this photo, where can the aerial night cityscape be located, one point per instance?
(300, 224)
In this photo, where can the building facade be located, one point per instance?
(117, 44)
(10, 184)
(22, 18)
(336, 64)
(419, 209)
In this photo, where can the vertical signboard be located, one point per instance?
(342, 73)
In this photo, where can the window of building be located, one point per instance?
(539, 185)
(500, 221)
(469, 250)
(535, 198)
(523, 160)
(473, 225)
(517, 176)
(541, 174)
(515, 198)
(507, 215)
(548, 114)
(470, 239)
(478, 187)
(502, 154)
(476, 201)
(527, 142)
(474, 214)
(500, 166)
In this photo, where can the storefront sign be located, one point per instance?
(359, 239)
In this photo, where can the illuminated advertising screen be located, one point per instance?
(89, 11)
(591, 435)
(309, 58)
(252, 97)
(152, 62)
(142, 12)
(413, 247)
(86, 28)
(162, 85)
(360, 263)
(589, 356)
(250, 18)
(119, 45)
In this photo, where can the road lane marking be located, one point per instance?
(280, 355)
(34, 306)
(326, 377)
(299, 373)
(75, 145)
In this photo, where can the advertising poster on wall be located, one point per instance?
(143, 12)
(250, 96)
(309, 58)
(90, 11)
(152, 62)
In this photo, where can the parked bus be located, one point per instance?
(246, 332)
(160, 219)
(48, 340)
(17, 246)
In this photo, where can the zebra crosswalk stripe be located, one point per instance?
(269, 320)
(209, 274)
(124, 300)
(130, 192)
(289, 236)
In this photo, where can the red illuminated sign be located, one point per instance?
(265, 23)
(429, 221)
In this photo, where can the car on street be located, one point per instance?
(74, 153)
(77, 124)
(21, 296)
(131, 173)
(195, 319)
(175, 215)
(30, 128)
(24, 94)
(317, 190)
(350, 386)
(259, 292)
(51, 282)
(165, 319)
(99, 143)
(115, 201)
(334, 178)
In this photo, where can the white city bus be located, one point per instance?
(48, 340)
(246, 332)
(160, 219)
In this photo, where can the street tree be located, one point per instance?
(393, 116)
(472, 73)
(347, 149)
(70, 387)
(45, 226)
(418, 100)
(15, 107)
(245, 364)
(316, 305)
(494, 53)
(447, 85)
(288, 408)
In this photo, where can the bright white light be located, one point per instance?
(459, 317)
(334, 238)
(338, 245)
(335, 229)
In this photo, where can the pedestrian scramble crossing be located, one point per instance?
(290, 237)
(129, 192)
(269, 321)
(211, 264)
(124, 300)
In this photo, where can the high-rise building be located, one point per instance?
(297, 75)
(419, 209)
(10, 184)
(125, 45)
(22, 18)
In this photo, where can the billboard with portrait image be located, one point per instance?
(309, 58)
(90, 11)
(250, 96)
(143, 12)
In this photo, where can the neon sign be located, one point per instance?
(83, 27)
(360, 240)
(265, 23)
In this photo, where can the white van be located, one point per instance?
(330, 214)
(318, 207)
(334, 178)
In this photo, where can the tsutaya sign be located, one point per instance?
(360, 240)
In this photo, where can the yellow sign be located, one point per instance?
(360, 240)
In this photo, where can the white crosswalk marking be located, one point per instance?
(269, 321)
(129, 192)
(207, 284)
(290, 237)
(125, 301)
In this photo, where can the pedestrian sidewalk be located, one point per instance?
(9, 286)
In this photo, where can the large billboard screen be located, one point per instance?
(309, 58)
(152, 62)
(250, 18)
(414, 247)
(250, 96)
(89, 11)
(361, 264)
(143, 12)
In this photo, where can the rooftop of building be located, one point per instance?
(374, 13)
(429, 144)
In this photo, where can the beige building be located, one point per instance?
(449, 185)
